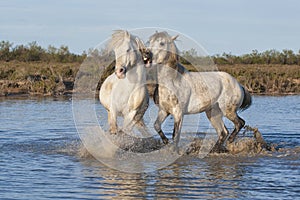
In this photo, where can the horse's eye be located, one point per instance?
(127, 50)
(161, 43)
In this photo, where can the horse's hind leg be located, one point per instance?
(177, 128)
(162, 115)
(215, 117)
(238, 124)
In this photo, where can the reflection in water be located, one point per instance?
(112, 183)
(189, 177)
(216, 176)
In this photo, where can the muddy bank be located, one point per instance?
(37, 78)
(57, 79)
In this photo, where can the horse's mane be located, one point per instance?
(117, 39)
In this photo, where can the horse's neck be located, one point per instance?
(167, 72)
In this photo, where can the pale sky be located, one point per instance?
(236, 26)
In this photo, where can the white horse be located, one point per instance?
(181, 92)
(124, 92)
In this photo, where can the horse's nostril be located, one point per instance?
(121, 70)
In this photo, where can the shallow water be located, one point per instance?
(41, 157)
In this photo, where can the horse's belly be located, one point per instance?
(198, 108)
(201, 102)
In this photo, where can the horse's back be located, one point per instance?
(209, 88)
(205, 83)
(205, 90)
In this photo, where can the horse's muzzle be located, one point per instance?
(121, 72)
(147, 58)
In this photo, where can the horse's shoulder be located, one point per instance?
(111, 78)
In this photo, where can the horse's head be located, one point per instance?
(128, 52)
(163, 47)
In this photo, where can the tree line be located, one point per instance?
(34, 52)
(284, 57)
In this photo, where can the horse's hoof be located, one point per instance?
(231, 139)
(113, 132)
(166, 141)
(219, 149)
(223, 150)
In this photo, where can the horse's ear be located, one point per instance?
(141, 45)
(127, 35)
(174, 37)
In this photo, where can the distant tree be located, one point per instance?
(19, 53)
(5, 48)
(288, 57)
(188, 57)
(35, 52)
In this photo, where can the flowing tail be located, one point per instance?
(247, 101)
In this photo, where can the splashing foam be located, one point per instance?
(249, 144)
(245, 145)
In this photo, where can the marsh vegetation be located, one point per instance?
(33, 70)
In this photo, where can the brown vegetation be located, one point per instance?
(54, 78)
(33, 70)
(37, 78)
(266, 79)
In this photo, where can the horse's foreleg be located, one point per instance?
(162, 115)
(129, 121)
(112, 120)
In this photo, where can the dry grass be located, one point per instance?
(267, 79)
(51, 78)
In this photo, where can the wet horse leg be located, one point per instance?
(129, 120)
(162, 115)
(177, 128)
(112, 120)
(215, 117)
(238, 124)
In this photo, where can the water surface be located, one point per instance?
(41, 157)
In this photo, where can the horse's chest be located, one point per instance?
(129, 98)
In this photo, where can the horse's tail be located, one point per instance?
(247, 100)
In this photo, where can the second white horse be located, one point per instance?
(124, 92)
